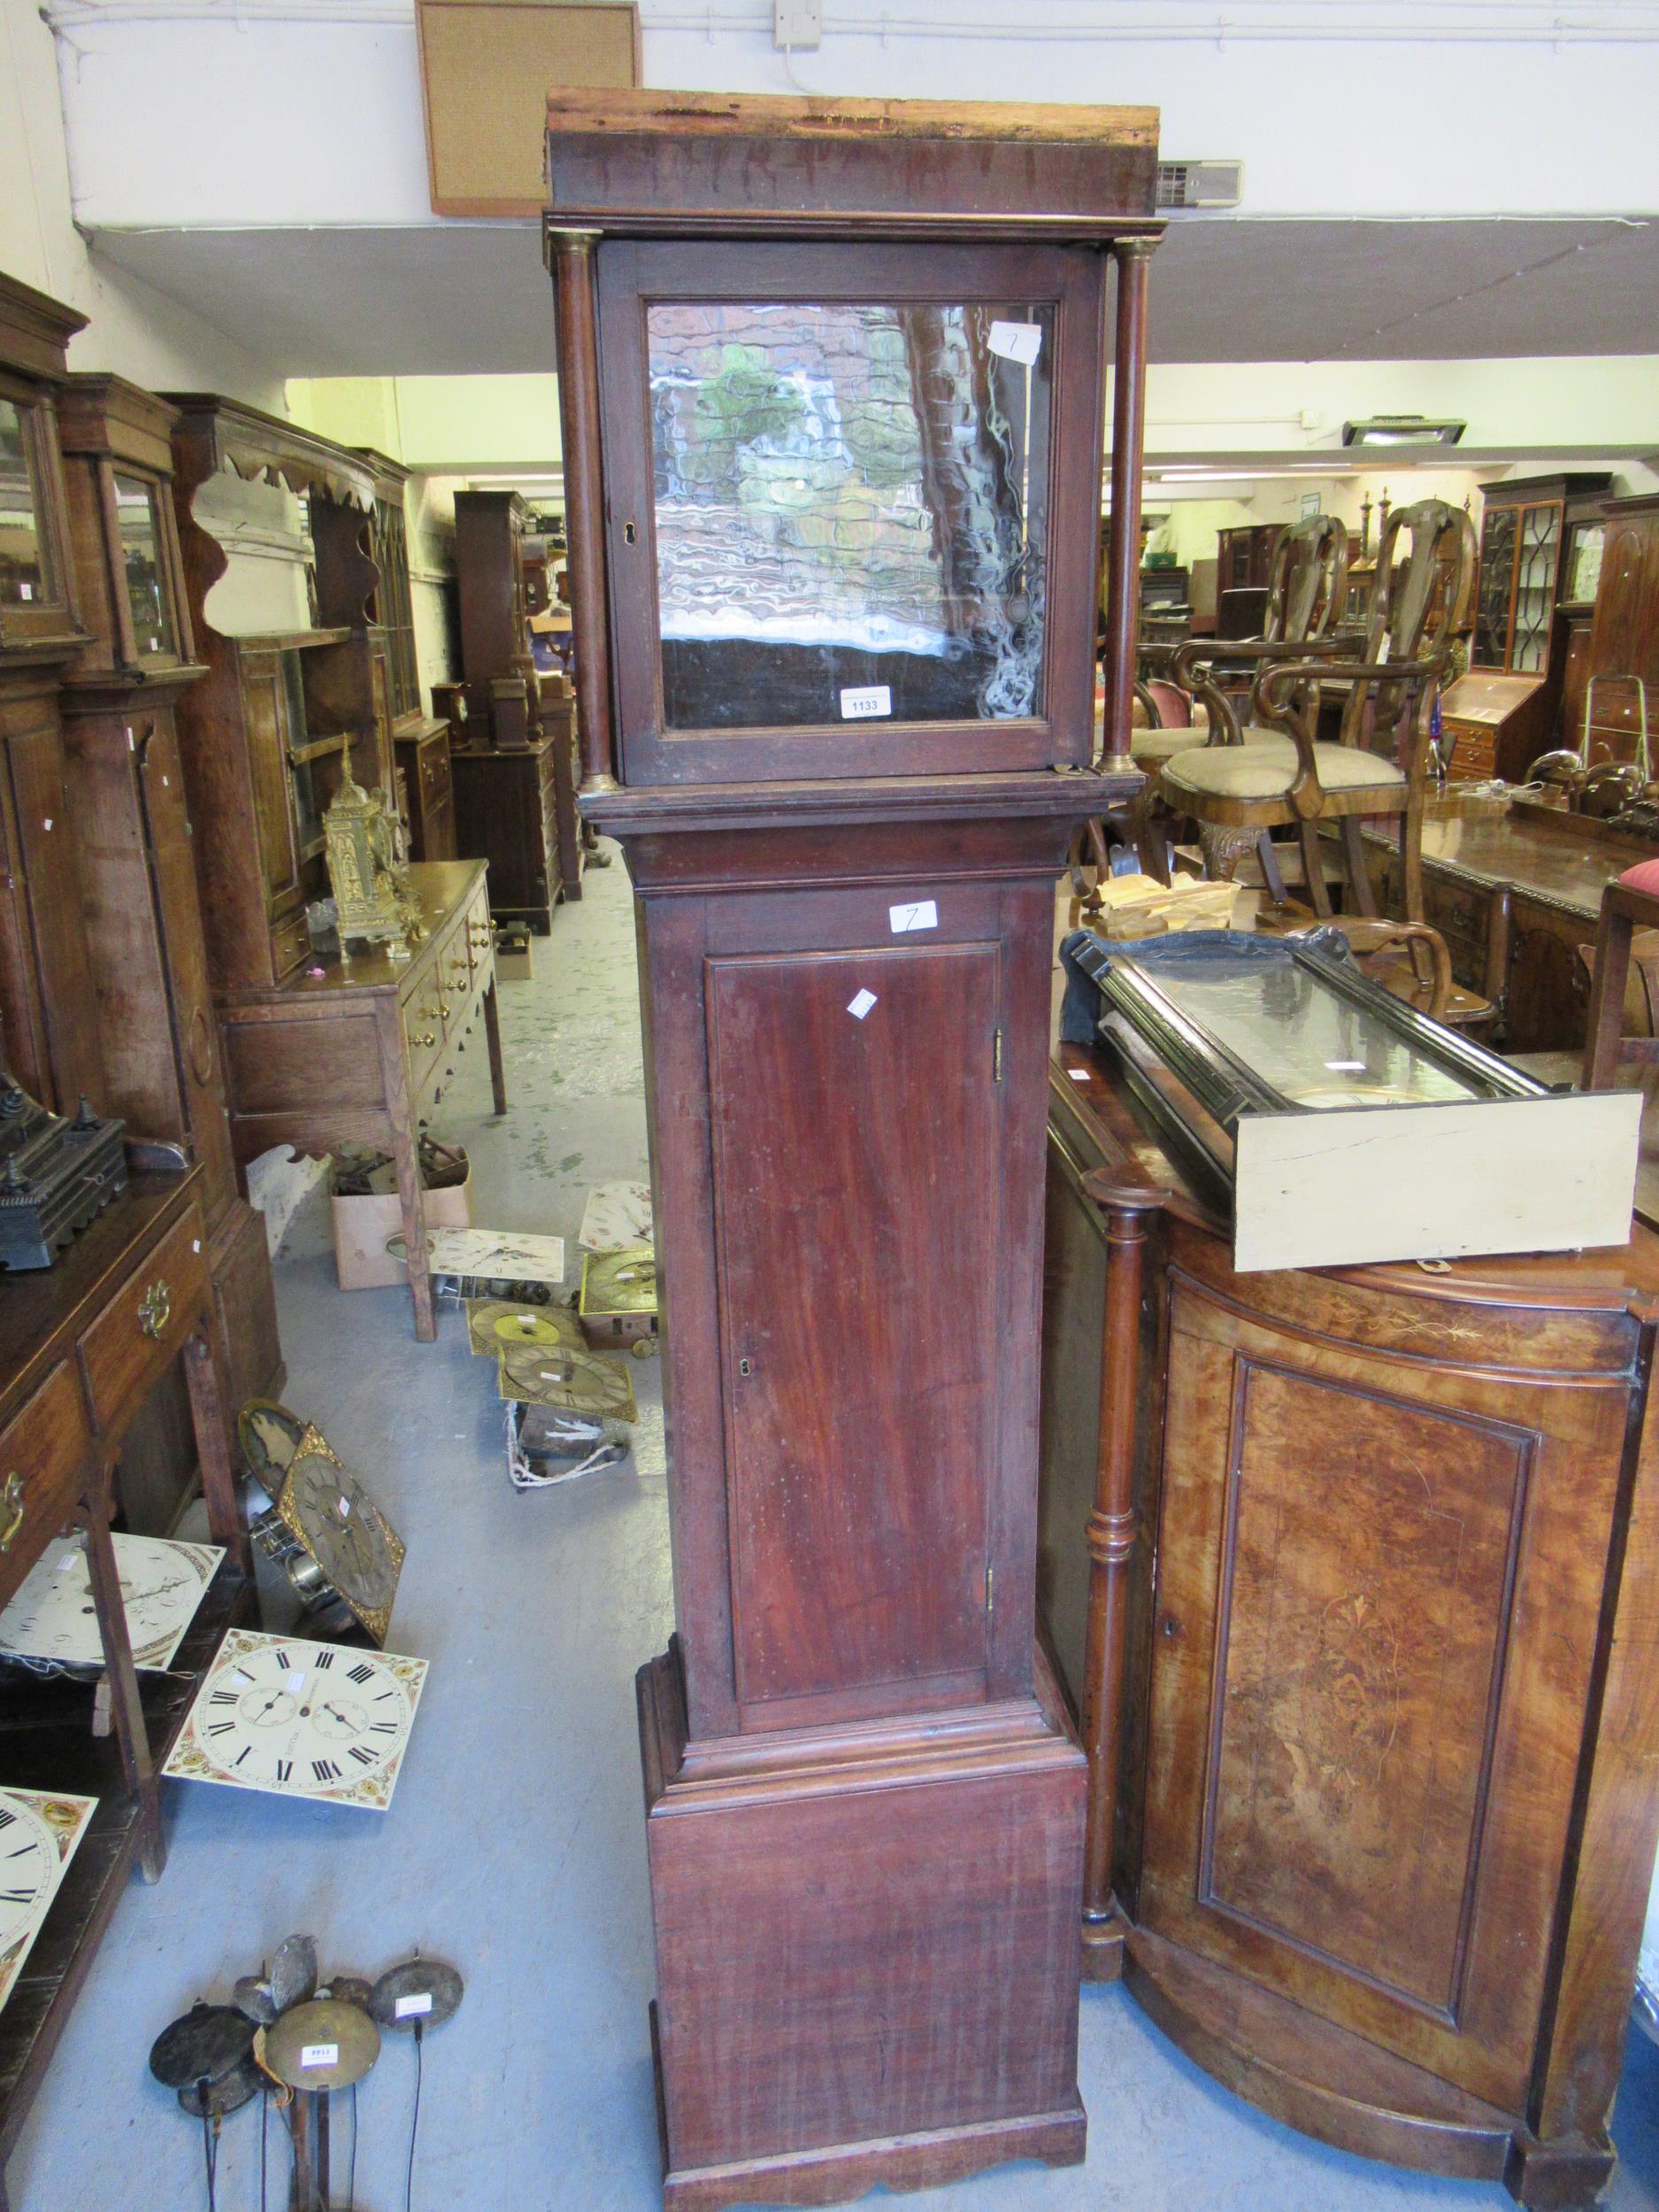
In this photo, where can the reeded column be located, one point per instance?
(571, 253)
(1123, 575)
(1111, 1533)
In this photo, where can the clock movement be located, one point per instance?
(832, 379)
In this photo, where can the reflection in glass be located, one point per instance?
(141, 554)
(1491, 601)
(1585, 571)
(849, 499)
(1312, 1045)
(22, 557)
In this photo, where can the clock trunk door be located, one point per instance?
(856, 1118)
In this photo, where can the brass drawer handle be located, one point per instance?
(430, 1037)
(10, 1510)
(155, 1308)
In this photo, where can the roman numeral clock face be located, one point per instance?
(38, 1835)
(300, 1720)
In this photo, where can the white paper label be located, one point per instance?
(859, 702)
(196, 1244)
(410, 2008)
(319, 2054)
(294, 1680)
(345, 1509)
(1017, 341)
(47, 823)
(860, 1006)
(1078, 1075)
(923, 914)
(68, 1562)
(26, 591)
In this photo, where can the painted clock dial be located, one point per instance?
(39, 1831)
(52, 1614)
(301, 1719)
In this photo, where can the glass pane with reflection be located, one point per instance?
(23, 574)
(140, 554)
(851, 511)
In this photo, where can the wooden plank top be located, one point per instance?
(42, 1313)
(648, 163)
(641, 108)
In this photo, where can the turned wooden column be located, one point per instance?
(1123, 575)
(1111, 1535)
(572, 255)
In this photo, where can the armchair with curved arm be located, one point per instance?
(1281, 774)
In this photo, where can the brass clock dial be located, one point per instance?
(301, 1719)
(554, 1375)
(348, 1547)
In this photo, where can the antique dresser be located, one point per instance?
(137, 881)
(833, 387)
(1355, 1574)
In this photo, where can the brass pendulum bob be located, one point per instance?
(316, 2048)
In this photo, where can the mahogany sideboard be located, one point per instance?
(1354, 1575)
(364, 1047)
(82, 1346)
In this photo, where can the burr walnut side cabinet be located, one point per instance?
(833, 385)
(1358, 1569)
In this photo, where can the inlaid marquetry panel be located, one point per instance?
(1366, 1559)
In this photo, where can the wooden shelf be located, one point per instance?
(46, 1743)
(318, 747)
(286, 641)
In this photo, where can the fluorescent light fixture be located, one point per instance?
(1389, 430)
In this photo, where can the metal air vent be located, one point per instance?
(1186, 184)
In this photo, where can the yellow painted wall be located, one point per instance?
(451, 426)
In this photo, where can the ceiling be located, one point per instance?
(460, 298)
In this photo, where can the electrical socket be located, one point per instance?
(797, 23)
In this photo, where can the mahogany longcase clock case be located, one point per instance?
(833, 382)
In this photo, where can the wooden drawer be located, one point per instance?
(1474, 748)
(43, 1451)
(290, 942)
(141, 1331)
(423, 1029)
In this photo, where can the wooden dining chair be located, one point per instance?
(1627, 934)
(1275, 772)
(1306, 587)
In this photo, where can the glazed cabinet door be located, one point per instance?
(1379, 1583)
(270, 735)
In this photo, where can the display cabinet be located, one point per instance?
(266, 736)
(137, 883)
(51, 1043)
(840, 586)
(1621, 658)
(489, 581)
(1244, 557)
(1524, 526)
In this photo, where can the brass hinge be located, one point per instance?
(996, 1056)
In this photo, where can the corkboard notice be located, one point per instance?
(487, 67)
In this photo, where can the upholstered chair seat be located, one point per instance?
(1264, 767)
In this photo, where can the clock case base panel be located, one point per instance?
(845, 1924)
(804, 1853)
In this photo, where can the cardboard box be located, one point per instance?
(512, 953)
(364, 1226)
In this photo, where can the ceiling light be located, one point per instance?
(1404, 430)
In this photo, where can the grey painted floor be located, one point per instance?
(514, 1845)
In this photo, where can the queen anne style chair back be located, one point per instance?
(1274, 771)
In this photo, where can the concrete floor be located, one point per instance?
(514, 1845)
